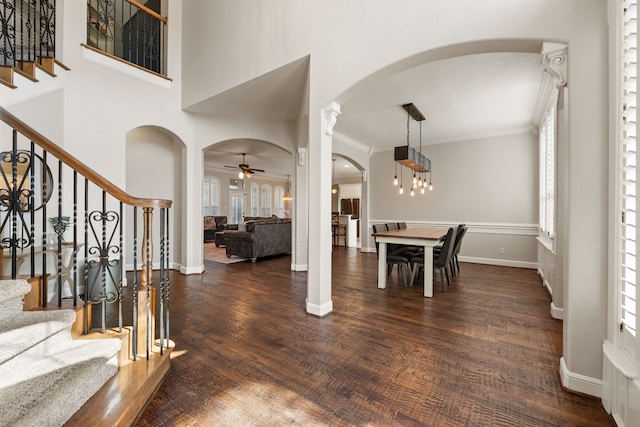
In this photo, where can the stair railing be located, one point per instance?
(27, 31)
(78, 231)
(128, 30)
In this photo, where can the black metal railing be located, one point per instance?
(27, 31)
(78, 233)
(129, 30)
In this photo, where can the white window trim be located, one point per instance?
(278, 201)
(547, 174)
(211, 179)
(255, 203)
(266, 204)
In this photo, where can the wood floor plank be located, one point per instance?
(484, 353)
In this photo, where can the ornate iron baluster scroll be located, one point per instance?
(103, 258)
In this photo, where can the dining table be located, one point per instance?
(427, 237)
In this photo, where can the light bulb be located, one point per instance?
(395, 180)
(241, 175)
(401, 190)
(412, 192)
(415, 181)
(422, 190)
(430, 187)
(248, 174)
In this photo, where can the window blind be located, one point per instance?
(627, 169)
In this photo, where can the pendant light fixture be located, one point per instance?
(334, 190)
(287, 194)
(407, 156)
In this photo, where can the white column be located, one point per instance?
(299, 252)
(320, 244)
(192, 196)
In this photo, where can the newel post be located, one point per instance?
(146, 294)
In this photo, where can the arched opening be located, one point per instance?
(243, 179)
(159, 177)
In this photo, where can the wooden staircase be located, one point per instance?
(123, 398)
(29, 70)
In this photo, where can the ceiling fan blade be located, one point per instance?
(232, 167)
(256, 170)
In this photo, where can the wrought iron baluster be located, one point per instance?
(47, 27)
(45, 276)
(135, 283)
(32, 33)
(75, 239)
(59, 230)
(167, 283)
(162, 266)
(32, 234)
(120, 276)
(103, 262)
(8, 34)
(87, 287)
(14, 206)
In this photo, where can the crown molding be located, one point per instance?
(347, 140)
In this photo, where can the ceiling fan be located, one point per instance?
(245, 170)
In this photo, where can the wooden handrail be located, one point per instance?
(77, 165)
(147, 10)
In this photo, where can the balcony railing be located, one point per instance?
(27, 31)
(129, 30)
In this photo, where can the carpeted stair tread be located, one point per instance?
(30, 364)
(52, 398)
(46, 375)
(27, 329)
(11, 294)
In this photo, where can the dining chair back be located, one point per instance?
(393, 259)
(441, 259)
(455, 265)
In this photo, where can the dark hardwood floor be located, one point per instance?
(484, 353)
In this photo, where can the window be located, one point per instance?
(210, 196)
(627, 177)
(547, 170)
(255, 196)
(265, 200)
(278, 201)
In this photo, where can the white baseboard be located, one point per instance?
(501, 262)
(192, 270)
(557, 312)
(579, 383)
(319, 310)
(299, 267)
(368, 250)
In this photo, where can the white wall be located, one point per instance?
(392, 38)
(244, 39)
(154, 170)
(490, 184)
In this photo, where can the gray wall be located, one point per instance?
(491, 184)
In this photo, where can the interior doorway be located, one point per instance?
(236, 206)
